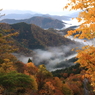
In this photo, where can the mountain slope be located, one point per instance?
(6, 29)
(34, 37)
(46, 22)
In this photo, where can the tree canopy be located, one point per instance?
(87, 8)
(6, 41)
(86, 56)
(16, 81)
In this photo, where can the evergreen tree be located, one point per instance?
(29, 60)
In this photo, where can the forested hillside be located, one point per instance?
(29, 78)
(18, 78)
(20, 47)
(31, 37)
(34, 37)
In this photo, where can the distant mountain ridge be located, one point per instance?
(29, 15)
(17, 16)
(43, 22)
(25, 14)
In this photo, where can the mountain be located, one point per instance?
(26, 14)
(43, 22)
(29, 15)
(46, 22)
(6, 12)
(34, 37)
(20, 47)
(17, 16)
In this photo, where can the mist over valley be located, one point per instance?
(45, 45)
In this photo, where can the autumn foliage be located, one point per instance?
(86, 56)
(29, 79)
(17, 78)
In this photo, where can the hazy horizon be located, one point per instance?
(51, 7)
(22, 12)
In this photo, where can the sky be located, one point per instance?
(40, 6)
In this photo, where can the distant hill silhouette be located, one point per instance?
(26, 14)
(43, 22)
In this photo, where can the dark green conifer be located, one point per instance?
(29, 60)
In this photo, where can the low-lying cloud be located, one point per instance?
(54, 56)
(51, 57)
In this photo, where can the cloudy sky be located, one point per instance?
(41, 6)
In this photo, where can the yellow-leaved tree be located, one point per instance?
(86, 56)
(6, 48)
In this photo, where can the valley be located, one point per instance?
(44, 46)
(40, 52)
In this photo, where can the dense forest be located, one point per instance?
(35, 37)
(18, 78)
(31, 37)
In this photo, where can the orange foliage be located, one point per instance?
(75, 84)
(31, 68)
(86, 56)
